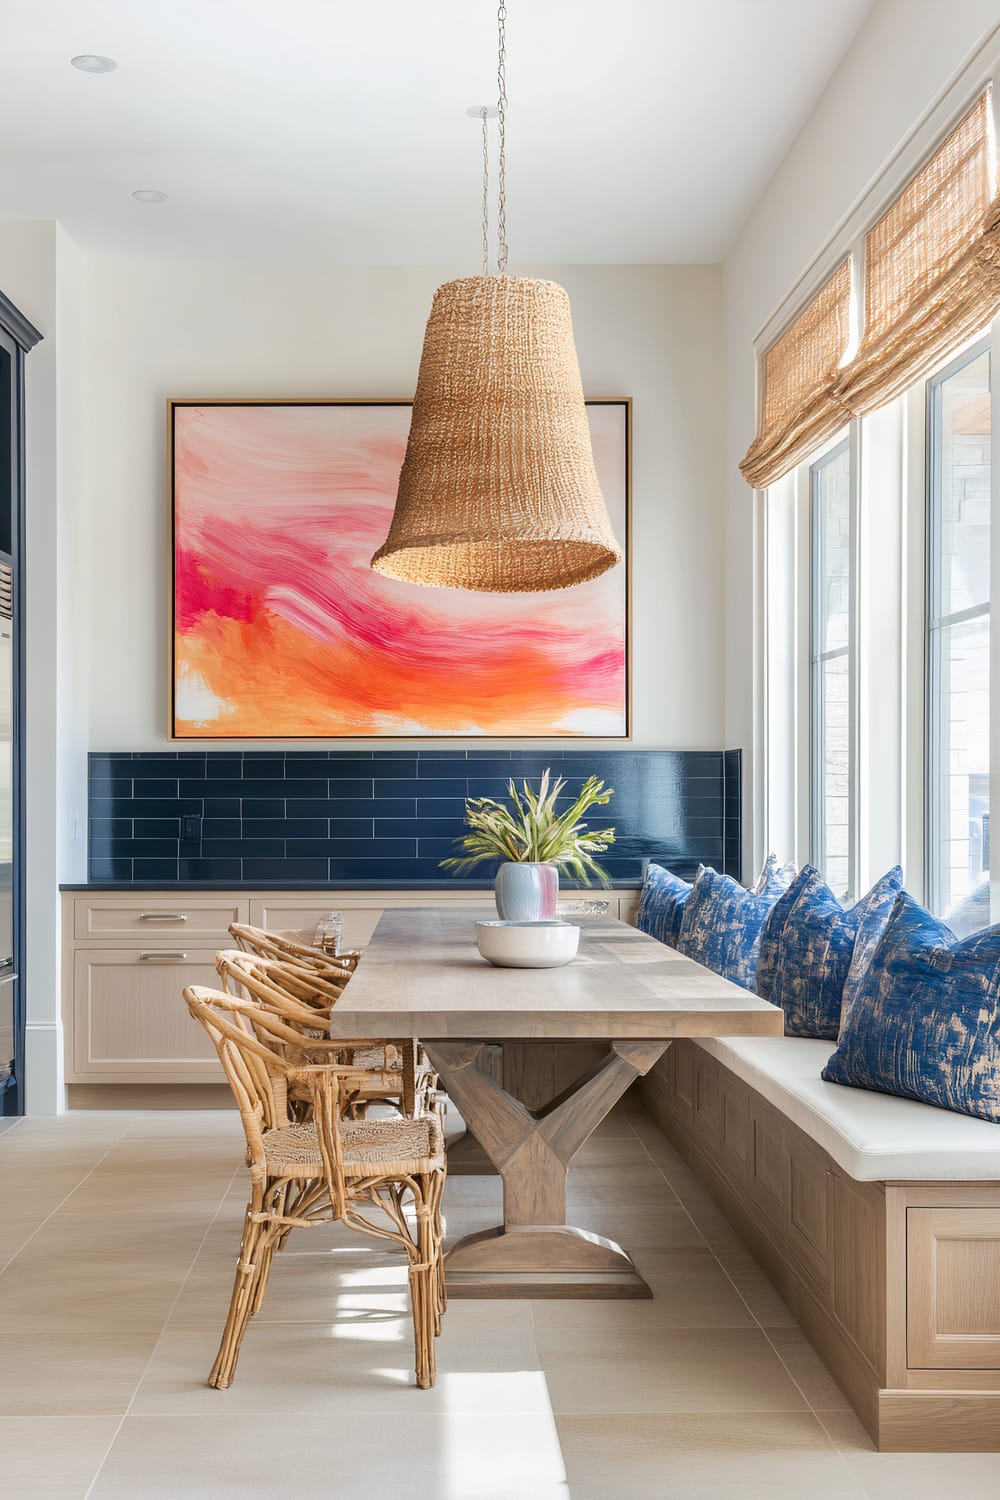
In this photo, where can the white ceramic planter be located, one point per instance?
(526, 892)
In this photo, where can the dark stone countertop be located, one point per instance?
(327, 885)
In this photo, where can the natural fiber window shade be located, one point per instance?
(798, 410)
(932, 269)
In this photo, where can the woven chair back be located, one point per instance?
(260, 1073)
(266, 982)
(288, 946)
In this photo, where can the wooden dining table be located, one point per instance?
(422, 976)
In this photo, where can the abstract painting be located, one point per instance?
(282, 631)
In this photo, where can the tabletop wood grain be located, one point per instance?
(422, 975)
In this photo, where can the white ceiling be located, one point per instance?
(334, 131)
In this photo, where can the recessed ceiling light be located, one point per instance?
(92, 62)
(149, 195)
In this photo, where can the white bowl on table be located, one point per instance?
(527, 945)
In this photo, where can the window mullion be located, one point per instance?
(853, 677)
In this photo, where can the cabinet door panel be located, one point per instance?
(734, 1126)
(707, 1102)
(809, 1188)
(953, 1288)
(681, 1064)
(858, 1263)
(130, 1022)
(768, 1157)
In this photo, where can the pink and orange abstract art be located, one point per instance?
(282, 631)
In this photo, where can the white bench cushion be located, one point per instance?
(872, 1137)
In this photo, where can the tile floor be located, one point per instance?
(117, 1242)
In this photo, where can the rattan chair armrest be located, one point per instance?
(306, 1072)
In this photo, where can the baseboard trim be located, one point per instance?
(939, 1421)
(150, 1096)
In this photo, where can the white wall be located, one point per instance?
(121, 335)
(158, 329)
(902, 59)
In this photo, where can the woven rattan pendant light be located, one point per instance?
(498, 490)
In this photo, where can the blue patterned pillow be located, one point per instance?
(774, 878)
(808, 945)
(661, 904)
(722, 924)
(925, 1022)
(972, 913)
(877, 907)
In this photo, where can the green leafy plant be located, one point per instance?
(532, 830)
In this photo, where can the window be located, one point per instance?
(958, 629)
(831, 666)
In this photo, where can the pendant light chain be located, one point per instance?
(486, 196)
(498, 492)
(502, 156)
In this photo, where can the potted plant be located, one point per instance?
(533, 840)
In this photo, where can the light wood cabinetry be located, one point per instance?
(126, 958)
(129, 1021)
(128, 954)
(953, 1289)
(897, 1284)
(156, 917)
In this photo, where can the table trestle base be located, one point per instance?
(541, 1260)
(532, 1150)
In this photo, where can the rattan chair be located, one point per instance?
(293, 944)
(304, 1174)
(394, 1072)
(315, 989)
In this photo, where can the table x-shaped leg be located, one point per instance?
(535, 1252)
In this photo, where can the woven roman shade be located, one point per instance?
(932, 269)
(798, 408)
(498, 490)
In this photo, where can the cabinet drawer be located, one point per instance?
(953, 1288)
(157, 917)
(130, 1023)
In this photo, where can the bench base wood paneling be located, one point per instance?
(896, 1284)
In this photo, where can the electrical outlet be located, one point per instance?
(76, 828)
(191, 828)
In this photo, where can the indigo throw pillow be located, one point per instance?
(925, 1022)
(808, 945)
(661, 904)
(972, 913)
(722, 924)
(875, 909)
(773, 878)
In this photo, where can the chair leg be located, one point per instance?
(424, 1294)
(442, 1284)
(265, 1251)
(241, 1305)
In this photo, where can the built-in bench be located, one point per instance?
(877, 1218)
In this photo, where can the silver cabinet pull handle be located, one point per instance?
(161, 955)
(163, 916)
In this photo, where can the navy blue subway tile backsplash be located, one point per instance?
(385, 816)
